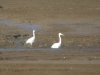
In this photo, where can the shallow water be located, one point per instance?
(84, 28)
(61, 50)
(79, 28)
(27, 26)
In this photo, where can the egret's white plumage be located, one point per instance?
(32, 39)
(57, 45)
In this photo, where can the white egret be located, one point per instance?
(32, 39)
(58, 44)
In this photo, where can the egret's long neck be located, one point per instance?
(34, 34)
(59, 39)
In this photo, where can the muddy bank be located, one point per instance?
(45, 55)
(48, 61)
(37, 10)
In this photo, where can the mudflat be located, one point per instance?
(37, 10)
(48, 61)
(78, 20)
